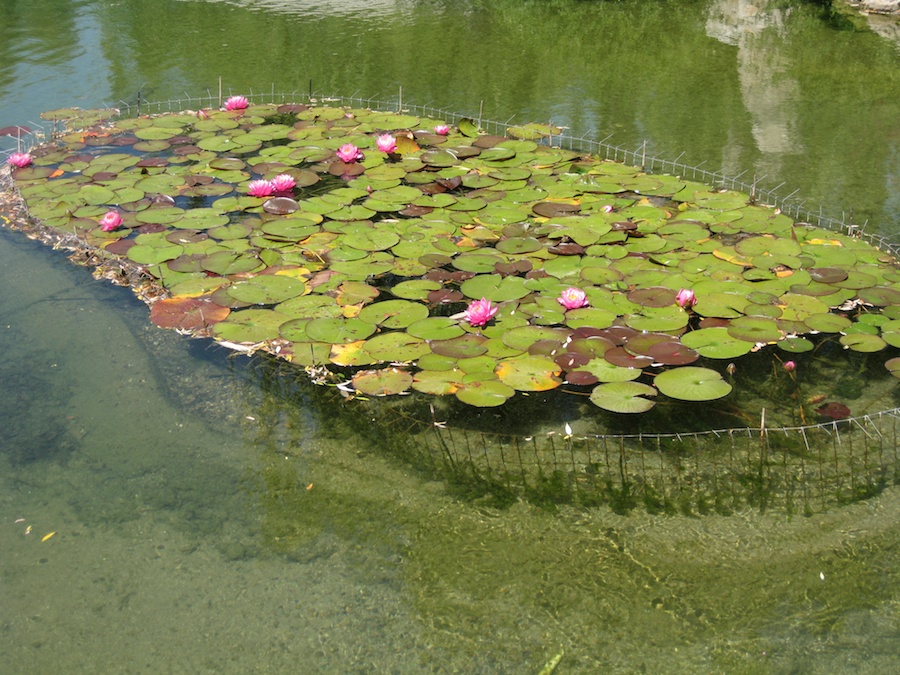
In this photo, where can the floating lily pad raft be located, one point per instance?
(287, 228)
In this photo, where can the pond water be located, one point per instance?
(209, 517)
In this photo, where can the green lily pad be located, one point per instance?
(863, 342)
(436, 328)
(658, 319)
(755, 329)
(382, 382)
(485, 393)
(267, 289)
(827, 322)
(226, 263)
(371, 239)
(893, 366)
(495, 287)
(437, 382)
(796, 345)
(153, 255)
(623, 397)
(250, 326)
(462, 347)
(416, 289)
(393, 313)
(339, 330)
(605, 371)
(396, 346)
(692, 383)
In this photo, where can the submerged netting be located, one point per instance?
(798, 469)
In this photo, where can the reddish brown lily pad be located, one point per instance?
(834, 410)
(555, 209)
(187, 313)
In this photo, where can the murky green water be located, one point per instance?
(206, 521)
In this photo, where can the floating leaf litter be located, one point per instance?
(363, 272)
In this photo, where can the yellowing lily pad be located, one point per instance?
(529, 373)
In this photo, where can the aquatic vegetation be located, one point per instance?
(283, 183)
(480, 312)
(19, 159)
(386, 143)
(236, 103)
(349, 153)
(110, 221)
(685, 298)
(260, 188)
(453, 262)
(573, 298)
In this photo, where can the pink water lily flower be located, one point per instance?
(789, 366)
(260, 188)
(236, 103)
(572, 298)
(685, 298)
(386, 143)
(348, 153)
(480, 312)
(442, 130)
(283, 182)
(19, 160)
(110, 221)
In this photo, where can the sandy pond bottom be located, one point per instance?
(203, 524)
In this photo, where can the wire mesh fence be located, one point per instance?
(796, 470)
(793, 469)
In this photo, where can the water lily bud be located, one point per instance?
(110, 221)
(685, 298)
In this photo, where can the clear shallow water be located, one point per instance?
(207, 522)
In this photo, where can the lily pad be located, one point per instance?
(382, 382)
(623, 397)
(187, 313)
(529, 373)
(267, 289)
(485, 393)
(250, 326)
(692, 383)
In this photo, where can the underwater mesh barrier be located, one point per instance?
(799, 469)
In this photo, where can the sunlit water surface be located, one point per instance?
(204, 521)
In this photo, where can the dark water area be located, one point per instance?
(167, 506)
